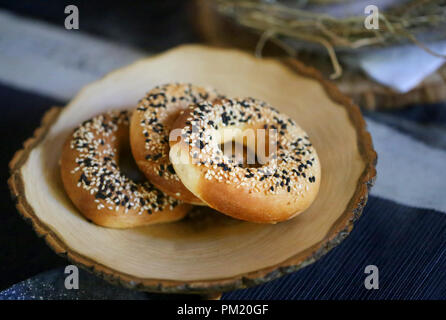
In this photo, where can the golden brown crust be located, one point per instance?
(335, 235)
(149, 132)
(99, 206)
(280, 189)
(172, 187)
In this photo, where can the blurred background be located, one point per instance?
(396, 74)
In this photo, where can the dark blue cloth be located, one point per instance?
(426, 124)
(408, 246)
(50, 285)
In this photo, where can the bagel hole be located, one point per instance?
(128, 166)
(241, 154)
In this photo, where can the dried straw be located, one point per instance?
(277, 22)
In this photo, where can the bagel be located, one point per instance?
(96, 186)
(149, 134)
(284, 185)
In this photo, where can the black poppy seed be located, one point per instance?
(156, 156)
(231, 112)
(171, 169)
(100, 195)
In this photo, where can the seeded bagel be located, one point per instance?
(96, 186)
(277, 190)
(149, 134)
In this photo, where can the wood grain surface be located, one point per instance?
(207, 252)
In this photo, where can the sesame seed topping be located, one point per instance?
(156, 109)
(96, 146)
(285, 171)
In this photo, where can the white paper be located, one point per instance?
(402, 67)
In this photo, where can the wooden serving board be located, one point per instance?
(207, 252)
